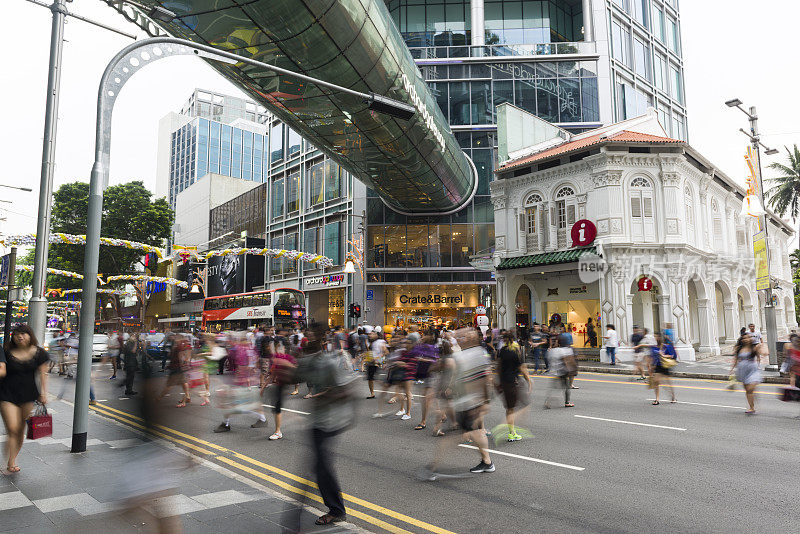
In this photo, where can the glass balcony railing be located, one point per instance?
(543, 49)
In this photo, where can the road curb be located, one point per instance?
(679, 374)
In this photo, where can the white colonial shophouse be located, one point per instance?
(661, 211)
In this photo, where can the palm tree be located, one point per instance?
(794, 260)
(784, 196)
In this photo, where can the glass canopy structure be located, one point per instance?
(415, 166)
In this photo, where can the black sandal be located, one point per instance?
(327, 519)
(656, 403)
(419, 427)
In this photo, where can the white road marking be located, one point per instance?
(528, 458)
(631, 423)
(712, 405)
(383, 391)
(286, 409)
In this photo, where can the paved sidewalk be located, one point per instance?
(714, 368)
(60, 492)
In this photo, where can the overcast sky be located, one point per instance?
(731, 49)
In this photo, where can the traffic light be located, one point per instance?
(151, 262)
(355, 310)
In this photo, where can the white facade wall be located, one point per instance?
(704, 274)
(193, 206)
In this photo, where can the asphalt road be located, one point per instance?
(613, 463)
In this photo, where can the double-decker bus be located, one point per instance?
(276, 307)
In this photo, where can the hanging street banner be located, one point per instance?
(762, 260)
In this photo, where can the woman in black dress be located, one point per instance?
(18, 390)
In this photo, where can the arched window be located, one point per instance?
(643, 226)
(716, 218)
(531, 207)
(563, 215)
(529, 220)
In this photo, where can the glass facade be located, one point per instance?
(416, 166)
(427, 23)
(560, 92)
(646, 66)
(205, 146)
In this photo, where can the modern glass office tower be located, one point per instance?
(576, 63)
(300, 203)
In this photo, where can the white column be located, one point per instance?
(478, 24)
(588, 28)
(705, 321)
(729, 320)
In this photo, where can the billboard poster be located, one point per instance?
(762, 260)
(4, 265)
(227, 275)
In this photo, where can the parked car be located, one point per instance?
(156, 345)
(99, 346)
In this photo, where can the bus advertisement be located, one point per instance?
(275, 307)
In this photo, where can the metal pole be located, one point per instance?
(364, 265)
(769, 309)
(37, 307)
(12, 266)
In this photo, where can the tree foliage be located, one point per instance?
(129, 212)
(784, 196)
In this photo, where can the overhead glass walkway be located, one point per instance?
(416, 166)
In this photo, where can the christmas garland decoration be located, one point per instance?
(71, 274)
(275, 253)
(103, 291)
(71, 239)
(145, 278)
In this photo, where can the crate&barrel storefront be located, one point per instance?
(434, 304)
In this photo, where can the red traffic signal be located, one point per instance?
(355, 310)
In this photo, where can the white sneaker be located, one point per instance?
(406, 417)
(401, 412)
(276, 435)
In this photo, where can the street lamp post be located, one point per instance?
(769, 309)
(363, 229)
(37, 310)
(124, 65)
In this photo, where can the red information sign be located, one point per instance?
(583, 233)
(645, 284)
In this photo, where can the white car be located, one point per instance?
(99, 346)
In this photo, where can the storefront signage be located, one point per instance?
(578, 290)
(583, 233)
(331, 280)
(156, 287)
(762, 262)
(645, 284)
(426, 116)
(566, 99)
(431, 299)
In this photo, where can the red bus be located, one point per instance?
(276, 307)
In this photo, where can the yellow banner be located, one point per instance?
(762, 261)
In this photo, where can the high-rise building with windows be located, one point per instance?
(579, 64)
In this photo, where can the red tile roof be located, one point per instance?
(625, 136)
